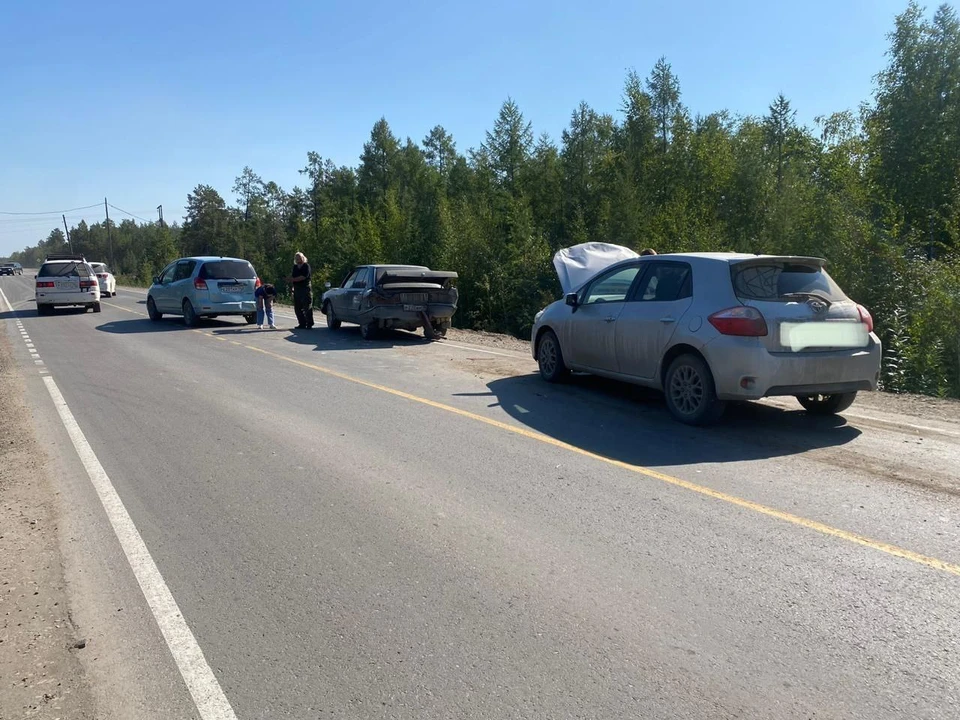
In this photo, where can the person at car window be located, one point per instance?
(302, 291)
(648, 251)
(265, 295)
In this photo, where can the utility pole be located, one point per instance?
(69, 244)
(160, 212)
(109, 234)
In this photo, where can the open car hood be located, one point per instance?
(575, 265)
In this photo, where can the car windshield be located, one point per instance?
(98, 267)
(785, 281)
(66, 269)
(228, 270)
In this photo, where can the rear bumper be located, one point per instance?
(86, 297)
(244, 307)
(396, 316)
(744, 370)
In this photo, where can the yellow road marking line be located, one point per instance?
(823, 528)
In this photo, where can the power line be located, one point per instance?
(52, 212)
(125, 212)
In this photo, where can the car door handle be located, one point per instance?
(609, 319)
(667, 319)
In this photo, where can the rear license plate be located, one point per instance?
(231, 288)
(415, 308)
(800, 336)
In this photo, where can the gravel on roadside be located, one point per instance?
(40, 673)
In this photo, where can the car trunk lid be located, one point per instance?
(804, 308)
(229, 280)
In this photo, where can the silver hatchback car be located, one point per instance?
(204, 286)
(706, 328)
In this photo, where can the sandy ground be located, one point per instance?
(40, 673)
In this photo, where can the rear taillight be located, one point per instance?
(45, 284)
(88, 283)
(101, 276)
(865, 317)
(742, 321)
(200, 284)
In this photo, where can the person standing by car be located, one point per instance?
(265, 295)
(302, 291)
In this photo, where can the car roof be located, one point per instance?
(211, 258)
(390, 267)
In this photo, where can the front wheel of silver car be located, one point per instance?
(152, 311)
(690, 393)
(827, 404)
(550, 358)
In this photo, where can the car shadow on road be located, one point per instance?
(632, 424)
(348, 338)
(172, 324)
(31, 312)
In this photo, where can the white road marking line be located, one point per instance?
(5, 301)
(207, 694)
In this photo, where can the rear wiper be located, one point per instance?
(818, 296)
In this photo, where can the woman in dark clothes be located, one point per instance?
(302, 291)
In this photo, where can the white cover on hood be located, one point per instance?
(575, 265)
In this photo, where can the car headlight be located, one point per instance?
(536, 318)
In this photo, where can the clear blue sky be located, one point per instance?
(140, 102)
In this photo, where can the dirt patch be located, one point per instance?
(40, 674)
(922, 406)
(486, 367)
(489, 340)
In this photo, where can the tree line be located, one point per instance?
(874, 190)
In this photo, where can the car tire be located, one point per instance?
(96, 307)
(332, 322)
(190, 317)
(250, 318)
(690, 392)
(368, 331)
(152, 311)
(550, 358)
(827, 404)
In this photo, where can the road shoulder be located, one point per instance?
(42, 676)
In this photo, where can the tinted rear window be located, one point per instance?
(66, 269)
(784, 281)
(227, 270)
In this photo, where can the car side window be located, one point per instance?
(362, 279)
(167, 274)
(612, 287)
(348, 283)
(183, 271)
(665, 282)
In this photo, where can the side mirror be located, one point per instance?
(156, 279)
(572, 300)
(327, 285)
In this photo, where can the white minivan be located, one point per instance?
(66, 280)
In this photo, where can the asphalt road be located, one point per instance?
(399, 529)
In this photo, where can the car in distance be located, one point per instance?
(706, 328)
(204, 286)
(8, 269)
(108, 283)
(66, 280)
(405, 297)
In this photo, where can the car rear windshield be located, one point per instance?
(227, 270)
(64, 269)
(99, 267)
(784, 281)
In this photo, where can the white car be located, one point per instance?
(66, 280)
(108, 283)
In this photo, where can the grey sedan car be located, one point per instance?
(204, 286)
(706, 328)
